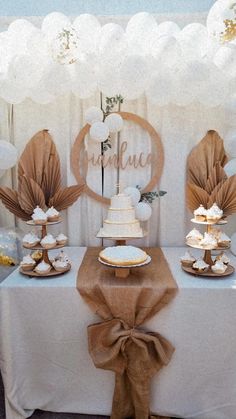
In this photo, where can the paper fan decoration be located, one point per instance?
(63, 198)
(39, 180)
(204, 157)
(207, 181)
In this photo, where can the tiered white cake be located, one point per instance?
(121, 221)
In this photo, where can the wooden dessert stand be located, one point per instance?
(123, 272)
(44, 251)
(207, 254)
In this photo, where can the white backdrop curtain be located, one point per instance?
(180, 129)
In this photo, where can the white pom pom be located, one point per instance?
(8, 155)
(134, 193)
(93, 114)
(99, 132)
(230, 142)
(233, 244)
(143, 211)
(230, 168)
(114, 122)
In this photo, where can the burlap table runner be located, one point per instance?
(118, 343)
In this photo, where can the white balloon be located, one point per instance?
(143, 211)
(83, 79)
(25, 70)
(108, 78)
(111, 36)
(216, 90)
(140, 23)
(166, 50)
(225, 59)
(230, 168)
(56, 80)
(168, 28)
(193, 40)
(114, 122)
(38, 43)
(88, 30)
(221, 11)
(139, 31)
(134, 76)
(8, 155)
(134, 193)
(99, 132)
(233, 244)
(160, 89)
(20, 32)
(93, 114)
(12, 93)
(230, 142)
(53, 24)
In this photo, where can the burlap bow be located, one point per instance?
(135, 356)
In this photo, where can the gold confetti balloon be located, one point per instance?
(221, 21)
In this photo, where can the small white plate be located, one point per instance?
(146, 262)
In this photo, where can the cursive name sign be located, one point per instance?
(121, 159)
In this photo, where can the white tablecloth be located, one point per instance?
(45, 362)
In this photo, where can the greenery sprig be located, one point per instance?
(149, 197)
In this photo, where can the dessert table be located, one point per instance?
(45, 362)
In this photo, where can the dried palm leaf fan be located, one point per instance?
(39, 180)
(207, 181)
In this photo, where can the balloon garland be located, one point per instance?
(167, 64)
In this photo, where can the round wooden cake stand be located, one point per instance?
(124, 271)
(45, 256)
(53, 272)
(121, 241)
(209, 274)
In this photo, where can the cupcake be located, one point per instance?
(214, 232)
(208, 242)
(223, 258)
(219, 267)
(200, 213)
(28, 263)
(39, 216)
(43, 268)
(30, 240)
(223, 240)
(60, 265)
(194, 237)
(187, 260)
(214, 214)
(61, 239)
(48, 242)
(52, 214)
(200, 266)
(62, 256)
(37, 255)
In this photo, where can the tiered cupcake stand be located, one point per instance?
(44, 251)
(208, 253)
